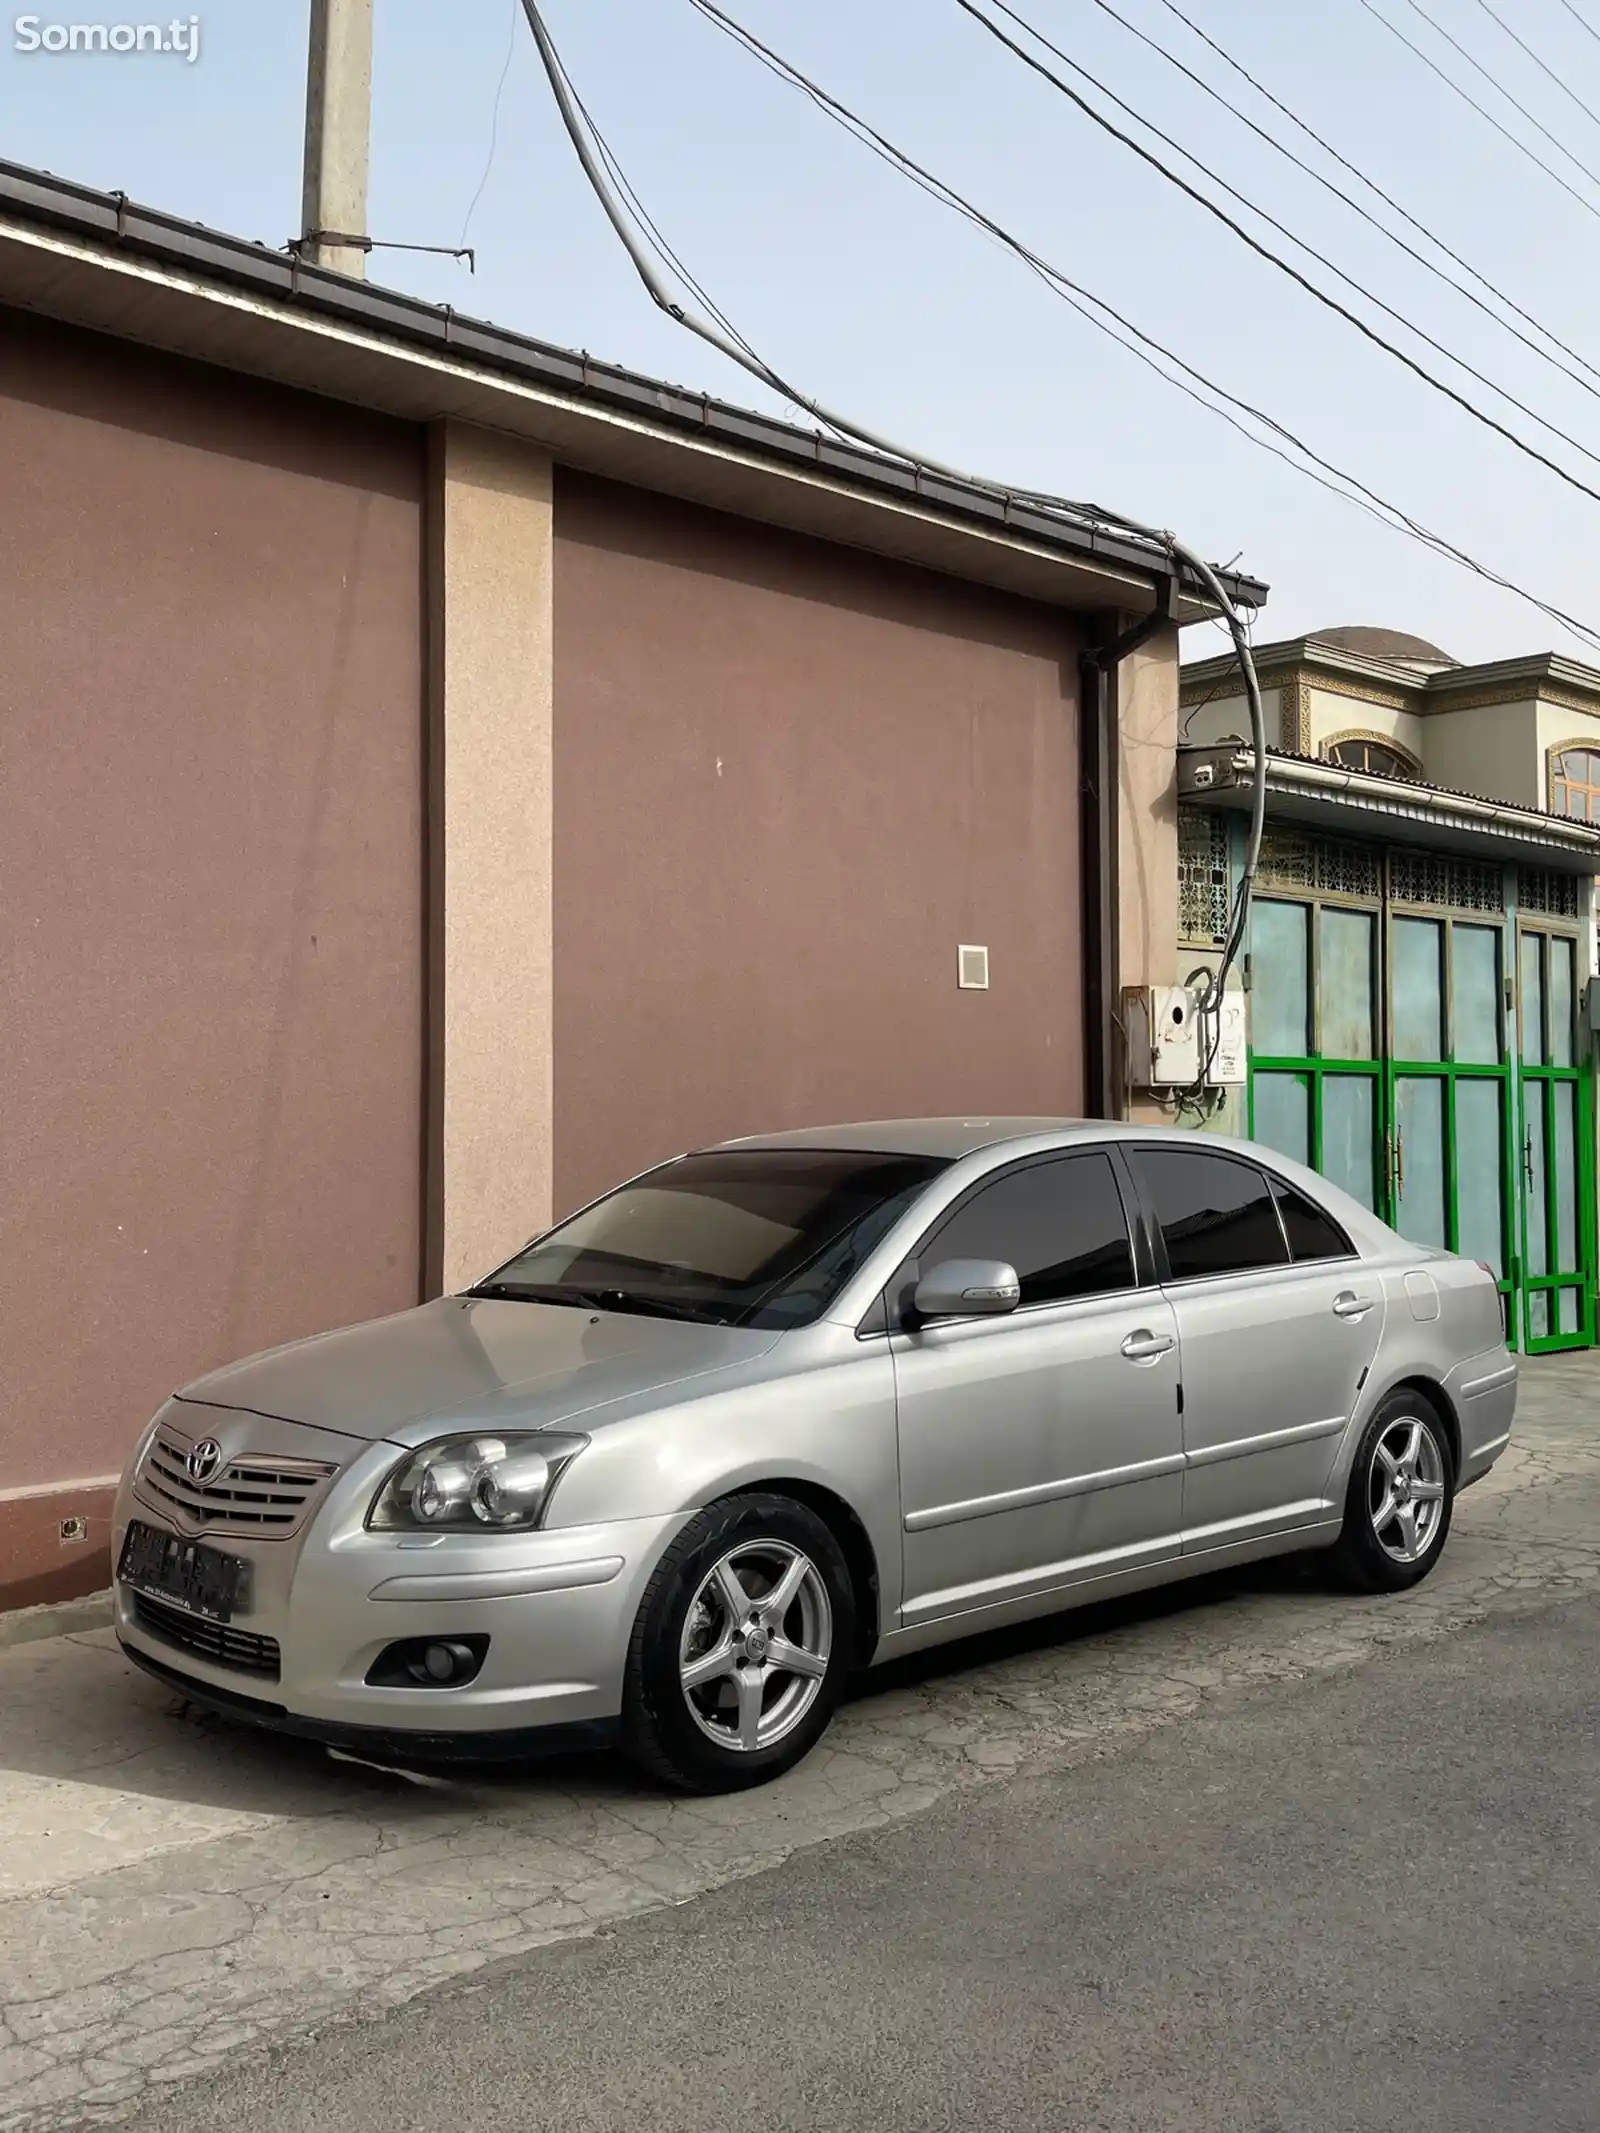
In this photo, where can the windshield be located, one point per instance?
(765, 1237)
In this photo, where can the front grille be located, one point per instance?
(251, 1495)
(216, 1642)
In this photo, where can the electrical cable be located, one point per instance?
(1377, 508)
(636, 207)
(1580, 21)
(1350, 281)
(1372, 185)
(1140, 344)
(1483, 112)
(1368, 500)
(1331, 303)
(1494, 82)
(494, 128)
(1565, 87)
(641, 213)
(1339, 193)
(1182, 556)
(718, 336)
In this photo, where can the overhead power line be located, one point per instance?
(1183, 559)
(1579, 20)
(494, 126)
(1483, 112)
(1283, 265)
(1522, 43)
(1272, 222)
(1361, 177)
(1131, 337)
(1494, 82)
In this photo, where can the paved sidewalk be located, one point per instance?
(173, 1893)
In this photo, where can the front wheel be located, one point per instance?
(1400, 1498)
(741, 1648)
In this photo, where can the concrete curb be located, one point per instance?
(29, 1624)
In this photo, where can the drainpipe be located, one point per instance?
(1098, 844)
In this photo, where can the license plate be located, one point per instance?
(187, 1573)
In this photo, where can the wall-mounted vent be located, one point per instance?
(972, 969)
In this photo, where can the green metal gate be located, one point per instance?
(1414, 1037)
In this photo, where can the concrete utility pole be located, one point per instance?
(338, 124)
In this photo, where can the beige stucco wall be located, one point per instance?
(1149, 724)
(1147, 812)
(1491, 750)
(1334, 716)
(490, 1132)
(1228, 718)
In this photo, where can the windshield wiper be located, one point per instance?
(621, 1300)
(642, 1306)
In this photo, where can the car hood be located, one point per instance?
(476, 1361)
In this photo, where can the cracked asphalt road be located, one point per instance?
(176, 1897)
(1337, 1905)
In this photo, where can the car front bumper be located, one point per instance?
(378, 1743)
(557, 1607)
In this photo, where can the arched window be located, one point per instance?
(1575, 783)
(1362, 752)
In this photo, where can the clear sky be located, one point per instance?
(879, 302)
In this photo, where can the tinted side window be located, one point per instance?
(1312, 1234)
(1216, 1213)
(1060, 1223)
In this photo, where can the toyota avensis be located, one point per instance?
(783, 1408)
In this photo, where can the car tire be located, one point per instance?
(730, 1680)
(1403, 1465)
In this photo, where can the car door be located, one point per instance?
(1273, 1345)
(1042, 1448)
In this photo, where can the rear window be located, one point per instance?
(1216, 1213)
(1312, 1232)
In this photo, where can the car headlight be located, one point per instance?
(475, 1484)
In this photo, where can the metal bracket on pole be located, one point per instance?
(348, 240)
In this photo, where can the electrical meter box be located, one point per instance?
(1224, 1037)
(1163, 1028)
(1170, 1040)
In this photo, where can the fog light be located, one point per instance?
(444, 1662)
(428, 1663)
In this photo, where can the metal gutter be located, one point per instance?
(1223, 777)
(116, 227)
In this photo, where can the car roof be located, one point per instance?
(954, 1138)
(949, 1137)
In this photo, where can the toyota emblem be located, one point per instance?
(204, 1460)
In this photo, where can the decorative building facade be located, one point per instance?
(1418, 958)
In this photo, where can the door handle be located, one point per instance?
(1143, 1347)
(1349, 1305)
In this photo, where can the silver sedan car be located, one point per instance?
(780, 1409)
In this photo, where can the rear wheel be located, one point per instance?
(1401, 1495)
(741, 1648)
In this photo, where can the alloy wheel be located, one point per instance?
(1405, 1489)
(756, 1644)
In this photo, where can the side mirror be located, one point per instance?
(967, 1288)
